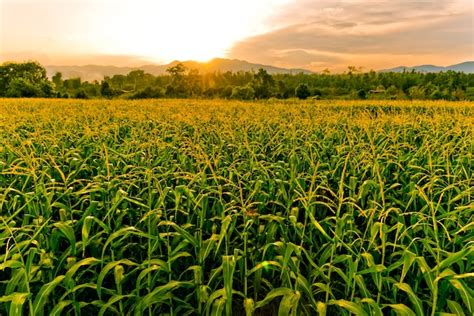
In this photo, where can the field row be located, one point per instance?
(217, 207)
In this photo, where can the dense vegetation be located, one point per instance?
(29, 80)
(198, 207)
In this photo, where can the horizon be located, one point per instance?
(240, 60)
(303, 34)
(83, 72)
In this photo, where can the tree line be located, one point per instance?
(30, 79)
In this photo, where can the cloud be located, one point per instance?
(334, 34)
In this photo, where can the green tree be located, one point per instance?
(105, 89)
(194, 83)
(177, 70)
(24, 78)
(417, 92)
(58, 80)
(136, 78)
(72, 83)
(227, 92)
(178, 86)
(302, 91)
(262, 84)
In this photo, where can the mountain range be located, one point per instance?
(98, 72)
(466, 67)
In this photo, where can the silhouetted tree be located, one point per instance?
(262, 84)
(29, 79)
(302, 91)
(105, 90)
(58, 80)
(178, 86)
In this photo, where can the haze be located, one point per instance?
(311, 34)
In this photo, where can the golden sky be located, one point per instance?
(312, 34)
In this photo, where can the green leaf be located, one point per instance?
(106, 270)
(214, 296)
(318, 226)
(350, 306)
(57, 310)
(42, 296)
(408, 259)
(114, 299)
(376, 310)
(454, 257)
(86, 227)
(412, 296)
(16, 302)
(264, 265)
(123, 233)
(228, 268)
(158, 295)
(225, 225)
(282, 291)
(68, 232)
(402, 310)
(218, 307)
(70, 273)
(12, 264)
(465, 293)
(289, 304)
(455, 308)
(182, 232)
(426, 271)
(144, 273)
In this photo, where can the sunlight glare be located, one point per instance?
(168, 30)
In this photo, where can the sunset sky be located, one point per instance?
(312, 34)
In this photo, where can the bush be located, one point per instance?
(362, 94)
(81, 94)
(148, 93)
(243, 93)
(302, 91)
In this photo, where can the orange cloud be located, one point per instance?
(373, 34)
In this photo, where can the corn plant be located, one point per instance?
(182, 207)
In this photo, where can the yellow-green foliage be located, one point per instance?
(218, 207)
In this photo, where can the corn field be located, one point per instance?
(182, 207)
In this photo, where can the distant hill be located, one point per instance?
(97, 72)
(467, 67)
